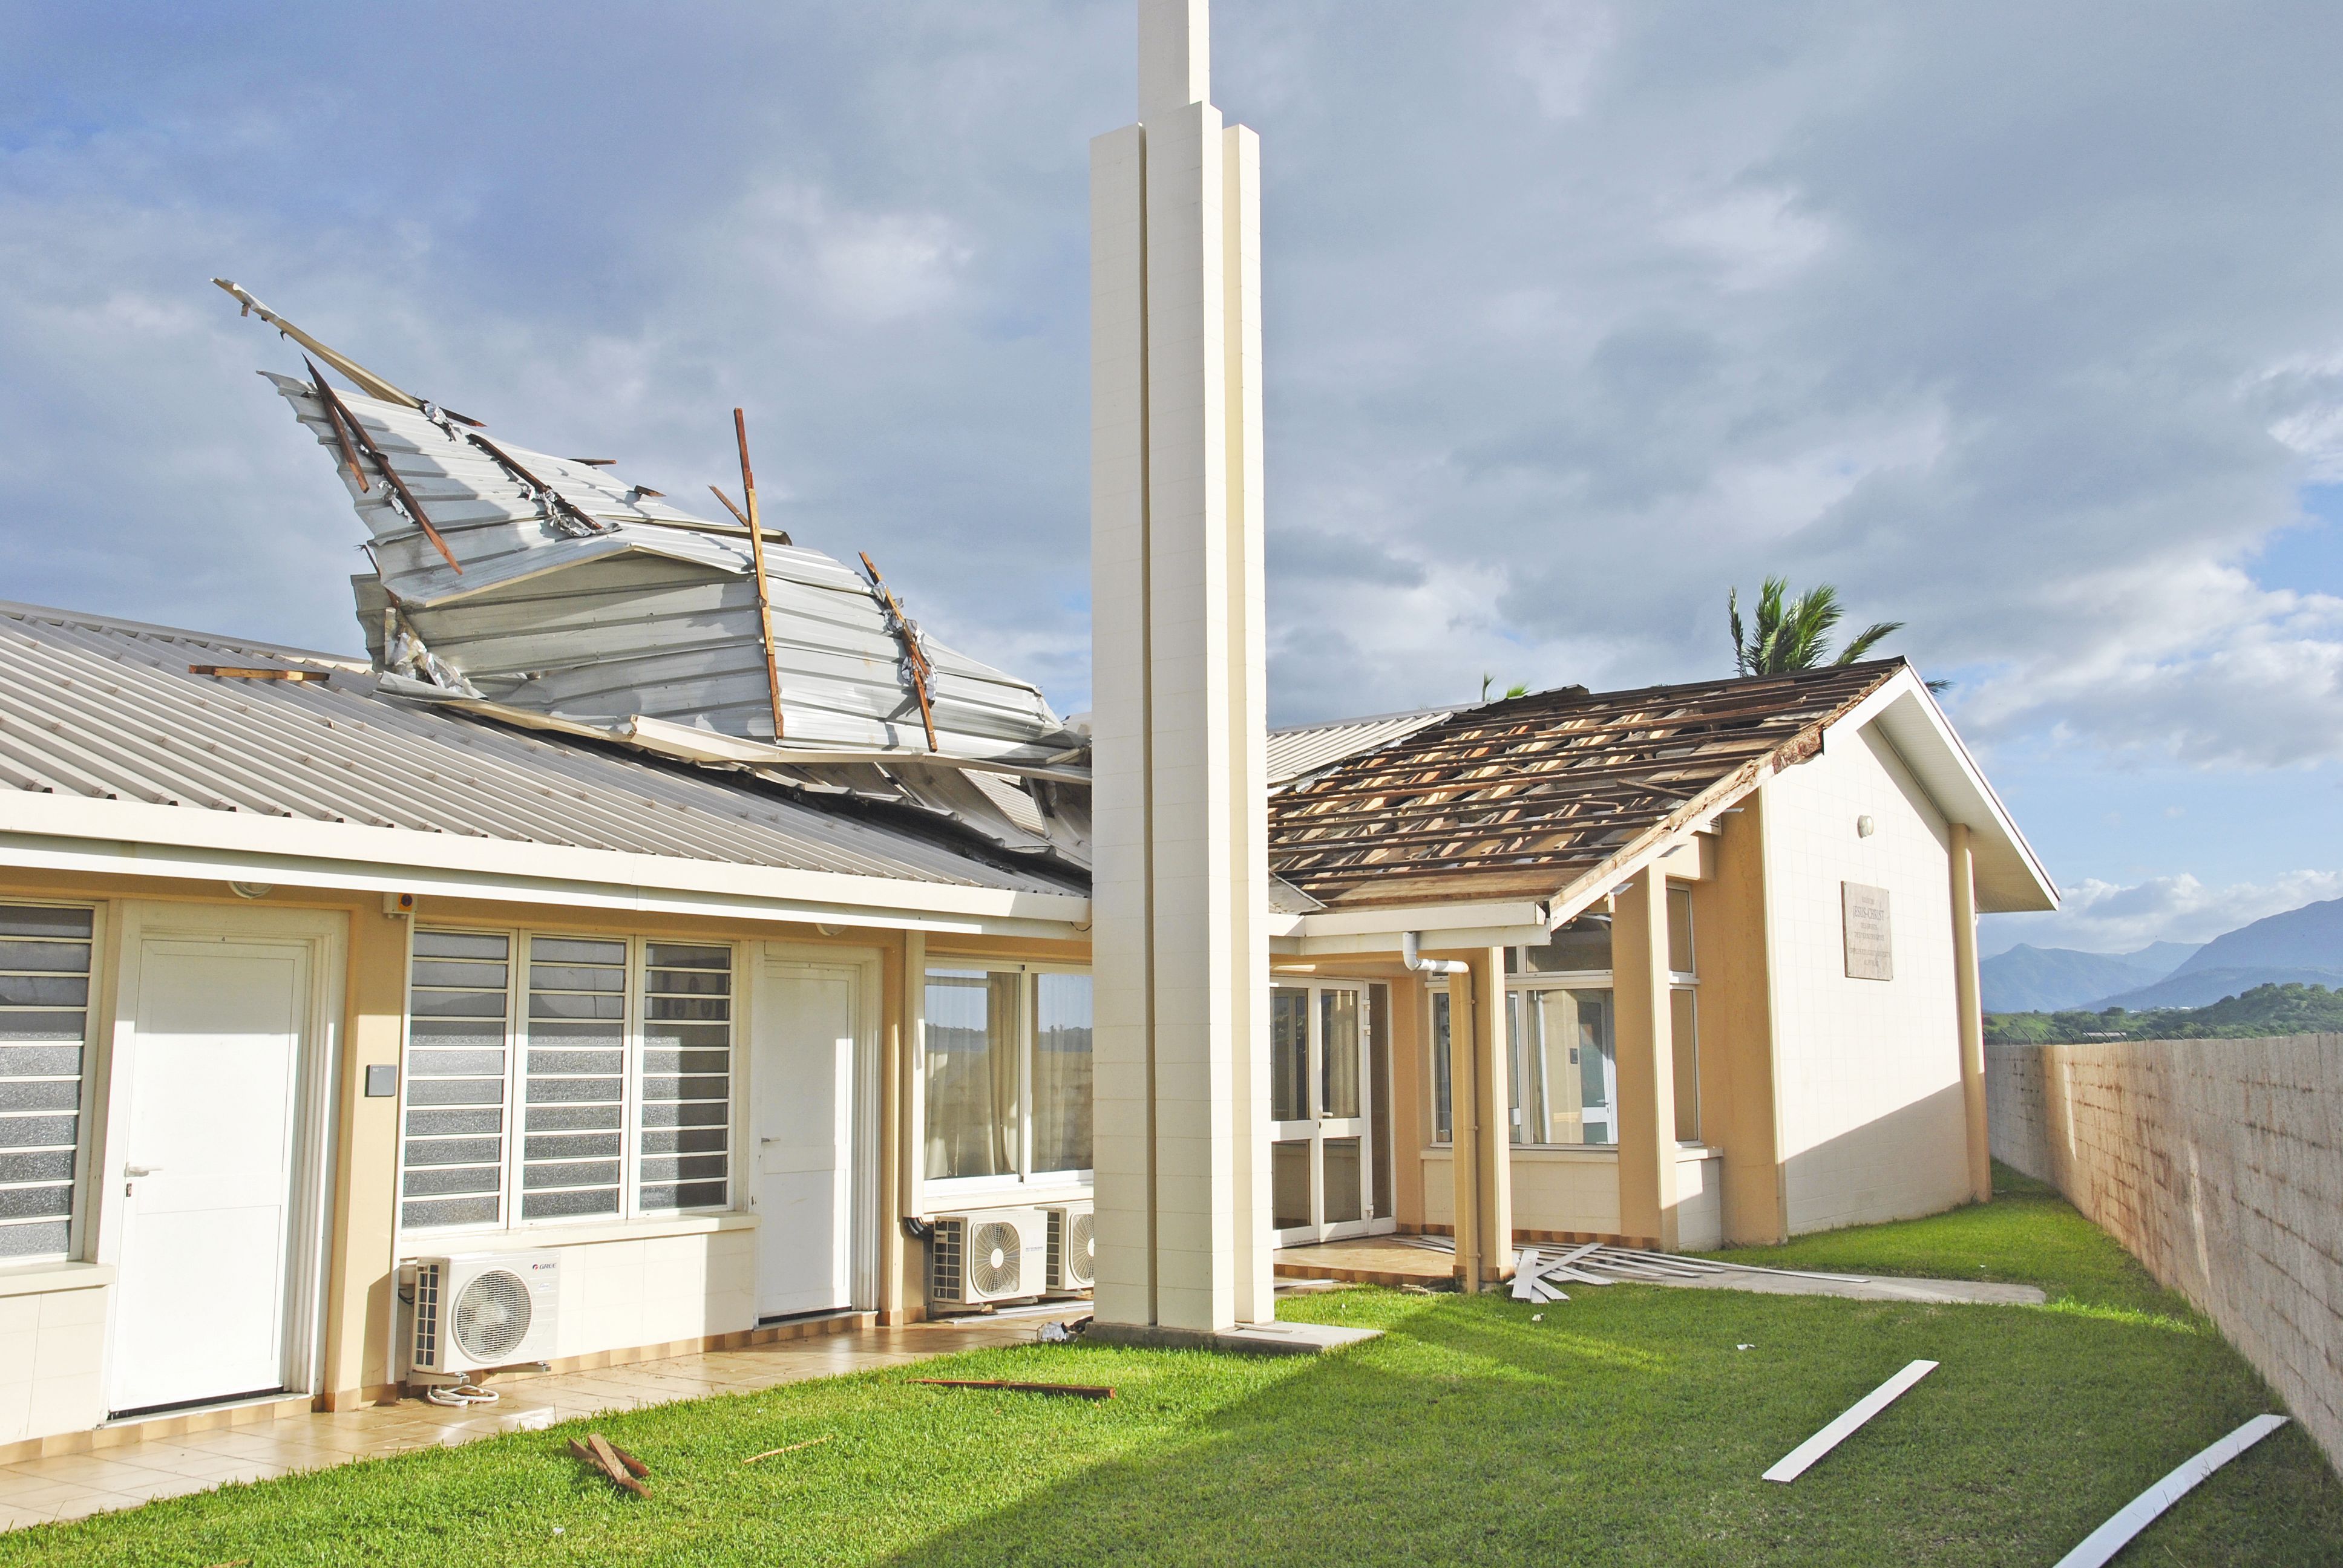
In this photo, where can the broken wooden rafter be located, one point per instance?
(719, 493)
(788, 1448)
(757, 555)
(611, 1462)
(1074, 1390)
(336, 408)
(913, 655)
(559, 502)
(255, 672)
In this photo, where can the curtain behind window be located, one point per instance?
(971, 1078)
(1061, 1073)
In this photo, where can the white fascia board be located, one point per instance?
(1445, 938)
(1333, 933)
(1462, 914)
(2011, 876)
(135, 838)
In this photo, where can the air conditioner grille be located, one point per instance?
(996, 1264)
(944, 1260)
(1081, 1248)
(492, 1316)
(427, 1316)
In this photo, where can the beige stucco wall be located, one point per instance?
(53, 1349)
(2219, 1165)
(648, 1283)
(1563, 1190)
(1700, 1200)
(1867, 1072)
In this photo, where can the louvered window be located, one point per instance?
(687, 1076)
(459, 1014)
(554, 1078)
(571, 1152)
(43, 1035)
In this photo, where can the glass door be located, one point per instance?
(1321, 1182)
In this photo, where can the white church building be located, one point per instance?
(656, 941)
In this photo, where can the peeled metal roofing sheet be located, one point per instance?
(653, 611)
(108, 709)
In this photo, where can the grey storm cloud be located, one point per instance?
(2017, 322)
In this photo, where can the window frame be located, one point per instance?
(945, 1190)
(96, 1015)
(513, 1161)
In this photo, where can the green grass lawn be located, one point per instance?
(1623, 1427)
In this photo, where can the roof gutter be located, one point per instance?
(132, 838)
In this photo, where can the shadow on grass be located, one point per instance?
(1636, 1434)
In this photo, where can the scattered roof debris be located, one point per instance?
(1796, 1463)
(2101, 1545)
(613, 1463)
(546, 592)
(788, 1448)
(1076, 1390)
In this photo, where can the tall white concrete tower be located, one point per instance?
(1180, 683)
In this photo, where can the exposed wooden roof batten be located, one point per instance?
(1532, 794)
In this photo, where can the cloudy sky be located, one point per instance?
(2022, 324)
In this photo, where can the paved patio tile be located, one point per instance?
(71, 1486)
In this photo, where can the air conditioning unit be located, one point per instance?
(989, 1255)
(1074, 1248)
(480, 1310)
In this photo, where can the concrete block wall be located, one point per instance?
(2219, 1165)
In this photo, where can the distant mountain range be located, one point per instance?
(2302, 946)
(2028, 979)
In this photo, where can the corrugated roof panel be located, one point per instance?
(108, 709)
(1306, 748)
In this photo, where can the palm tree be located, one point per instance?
(1793, 635)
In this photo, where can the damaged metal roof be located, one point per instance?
(1299, 749)
(1532, 795)
(111, 709)
(549, 592)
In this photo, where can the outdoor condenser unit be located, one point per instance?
(1074, 1248)
(481, 1310)
(989, 1255)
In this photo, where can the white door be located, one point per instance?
(1321, 1108)
(209, 1148)
(805, 1026)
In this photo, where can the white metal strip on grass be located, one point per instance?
(2110, 1538)
(1796, 1462)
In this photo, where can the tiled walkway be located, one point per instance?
(68, 1486)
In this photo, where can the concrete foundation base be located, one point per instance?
(1246, 1339)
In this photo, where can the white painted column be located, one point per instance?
(1180, 951)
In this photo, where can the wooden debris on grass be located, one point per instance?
(1076, 1390)
(614, 1463)
(788, 1448)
